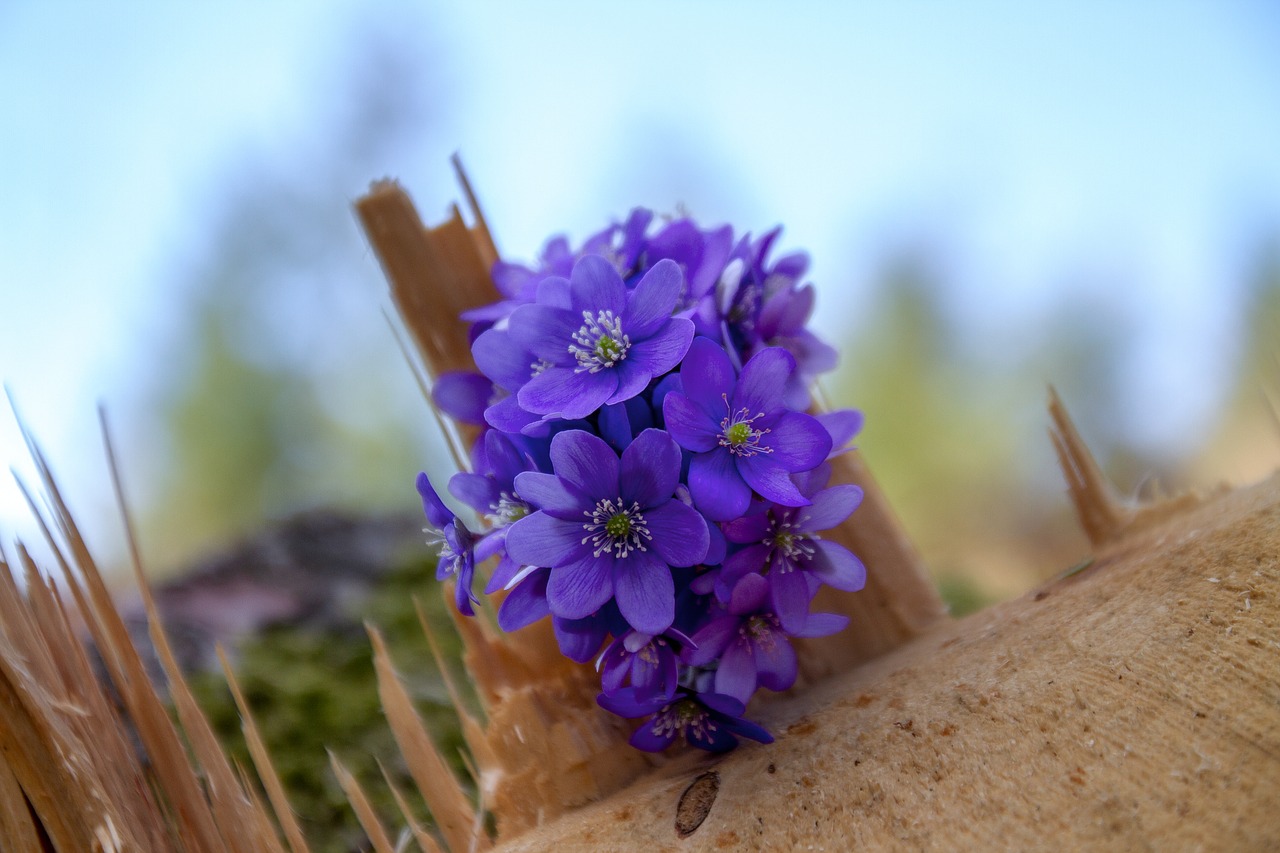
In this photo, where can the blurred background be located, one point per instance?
(995, 197)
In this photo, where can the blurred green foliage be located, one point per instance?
(311, 690)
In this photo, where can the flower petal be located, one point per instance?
(842, 425)
(654, 298)
(717, 487)
(741, 563)
(837, 566)
(680, 534)
(664, 349)
(798, 441)
(763, 379)
(631, 376)
(585, 461)
(712, 639)
(707, 375)
(501, 359)
(502, 458)
(649, 470)
(566, 392)
(628, 702)
(770, 481)
(550, 494)
(689, 424)
(580, 589)
(822, 625)
(790, 598)
(749, 595)
(736, 675)
(830, 507)
(645, 591)
(525, 604)
(594, 285)
(462, 395)
(545, 332)
(475, 490)
(579, 639)
(776, 665)
(432, 507)
(651, 737)
(541, 540)
(506, 415)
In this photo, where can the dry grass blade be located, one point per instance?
(1097, 508)
(262, 763)
(364, 811)
(16, 825)
(448, 802)
(232, 808)
(426, 843)
(169, 763)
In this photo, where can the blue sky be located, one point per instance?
(1140, 141)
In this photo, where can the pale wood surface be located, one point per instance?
(1134, 705)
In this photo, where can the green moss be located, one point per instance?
(312, 690)
(961, 594)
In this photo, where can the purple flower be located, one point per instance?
(609, 528)
(749, 643)
(784, 544)
(649, 662)
(742, 435)
(606, 345)
(701, 255)
(457, 551)
(462, 395)
(493, 495)
(708, 721)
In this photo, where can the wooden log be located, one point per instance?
(1132, 705)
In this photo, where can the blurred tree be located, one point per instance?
(281, 386)
(954, 432)
(1244, 445)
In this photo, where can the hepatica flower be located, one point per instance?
(647, 477)
(709, 721)
(607, 344)
(743, 437)
(610, 528)
(457, 555)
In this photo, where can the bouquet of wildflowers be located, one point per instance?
(648, 473)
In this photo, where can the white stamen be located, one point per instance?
(600, 342)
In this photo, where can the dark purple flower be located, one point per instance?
(742, 436)
(649, 663)
(621, 244)
(491, 492)
(749, 643)
(784, 544)
(708, 721)
(609, 528)
(701, 255)
(457, 545)
(607, 345)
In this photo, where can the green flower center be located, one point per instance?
(738, 433)
(613, 527)
(600, 343)
(607, 349)
(618, 525)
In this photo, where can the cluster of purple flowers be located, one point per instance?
(647, 474)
